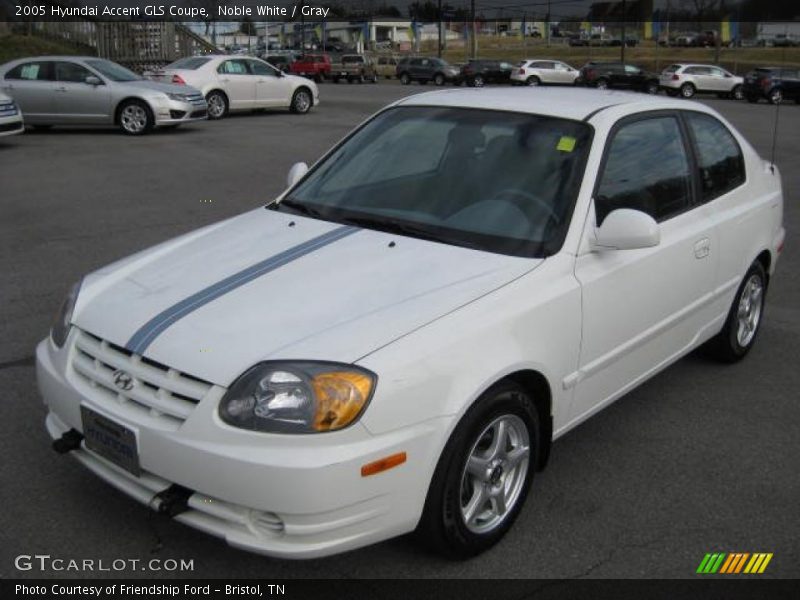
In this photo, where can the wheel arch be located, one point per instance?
(765, 258)
(538, 387)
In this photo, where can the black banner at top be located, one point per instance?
(422, 11)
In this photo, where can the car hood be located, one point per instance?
(268, 285)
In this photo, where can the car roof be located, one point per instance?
(575, 104)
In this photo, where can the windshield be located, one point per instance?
(497, 181)
(112, 70)
(191, 63)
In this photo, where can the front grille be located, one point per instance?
(176, 114)
(7, 110)
(195, 98)
(157, 391)
(11, 126)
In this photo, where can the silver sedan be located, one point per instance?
(70, 90)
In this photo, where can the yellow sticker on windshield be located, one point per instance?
(566, 144)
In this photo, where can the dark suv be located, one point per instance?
(480, 71)
(423, 70)
(776, 84)
(604, 75)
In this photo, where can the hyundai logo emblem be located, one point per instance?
(123, 380)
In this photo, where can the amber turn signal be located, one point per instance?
(383, 464)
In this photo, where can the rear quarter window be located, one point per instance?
(719, 156)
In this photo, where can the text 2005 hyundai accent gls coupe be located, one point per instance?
(394, 342)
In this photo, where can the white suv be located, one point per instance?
(535, 72)
(687, 80)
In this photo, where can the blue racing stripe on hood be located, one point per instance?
(148, 332)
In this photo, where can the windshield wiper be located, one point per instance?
(300, 208)
(406, 229)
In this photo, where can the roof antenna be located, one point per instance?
(778, 105)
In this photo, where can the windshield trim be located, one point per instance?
(537, 250)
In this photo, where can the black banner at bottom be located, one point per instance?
(407, 589)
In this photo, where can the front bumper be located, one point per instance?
(11, 125)
(174, 112)
(288, 496)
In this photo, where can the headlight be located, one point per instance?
(177, 97)
(63, 320)
(297, 397)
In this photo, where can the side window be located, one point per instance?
(631, 69)
(32, 71)
(233, 67)
(71, 72)
(646, 169)
(720, 159)
(259, 68)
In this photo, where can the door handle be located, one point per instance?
(61, 89)
(702, 248)
(226, 80)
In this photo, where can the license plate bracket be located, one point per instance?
(110, 440)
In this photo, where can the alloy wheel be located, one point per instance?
(749, 311)
(134, 119)
(495, 473)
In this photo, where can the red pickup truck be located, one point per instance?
(315, 66)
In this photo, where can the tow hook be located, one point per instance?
(69, 441)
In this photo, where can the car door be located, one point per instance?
(544, 70)
(31, 84)
(719, 80)
(563, 74)
(238, 83)
(643, 307)
(272, 88)
(634, 76)
(78, 101)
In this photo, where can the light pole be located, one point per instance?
(622, 49)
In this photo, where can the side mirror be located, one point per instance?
(93, 80)
(296, 173)
(627, 229)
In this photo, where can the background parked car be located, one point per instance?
(688, 79)
(282, 62)
(74, 90)
(354, 67)
(386, 66)
(423, 69)
(10, 117)
(314, 66)
(604, 75)
(535, 72)
(478, 72)
(241, 83)
(776, 84)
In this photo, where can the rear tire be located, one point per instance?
(775, 96)
(217, 105)
(478, 81)
(687, 90)
(533, 80)
(405, 79)
(737, 93)
(651, 88)
(438, 79)
(483, 475)
(744, 318)
(601, 84)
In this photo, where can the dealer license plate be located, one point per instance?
(110, 440)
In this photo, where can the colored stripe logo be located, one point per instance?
(148, 332)
(734, 563)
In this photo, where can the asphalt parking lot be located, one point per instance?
(704, 457)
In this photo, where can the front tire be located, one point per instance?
(737, 93)
(217, 105)
(484, 474)
(601, 84)
(744, 318)
(135, 118)
(478, 81)
(651, 88)
(438, 79)
(301, 101)
(405, 78)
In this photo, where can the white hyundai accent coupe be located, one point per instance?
(393, 344)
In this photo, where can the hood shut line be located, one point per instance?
(148, 332)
